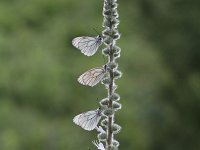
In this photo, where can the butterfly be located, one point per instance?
(100, 129)
(99, 145)
(93, 76)
(87, 44)
(88, 120)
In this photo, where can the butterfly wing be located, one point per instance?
(99, 145)
(88, 120)
(88, 45)
(92, 76)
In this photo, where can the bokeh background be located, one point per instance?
(160, 88)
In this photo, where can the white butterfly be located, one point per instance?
(93, 76)
(100, 146)
(100, 129)
(88, 120)
(87, 44)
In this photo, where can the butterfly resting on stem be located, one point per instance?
(88, 120)
(99, 145)
(88, 45)
(93, 76)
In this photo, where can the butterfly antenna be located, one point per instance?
(97, 99)
(99, 103)
(96, 31)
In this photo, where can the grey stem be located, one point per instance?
(110, 36)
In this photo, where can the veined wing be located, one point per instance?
(87, 44)
(88, 120)
(92, 76)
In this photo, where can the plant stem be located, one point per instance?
(111, 35)
(110, 93)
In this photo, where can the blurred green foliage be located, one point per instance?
(160, 88)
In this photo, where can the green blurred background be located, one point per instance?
(160, 88)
